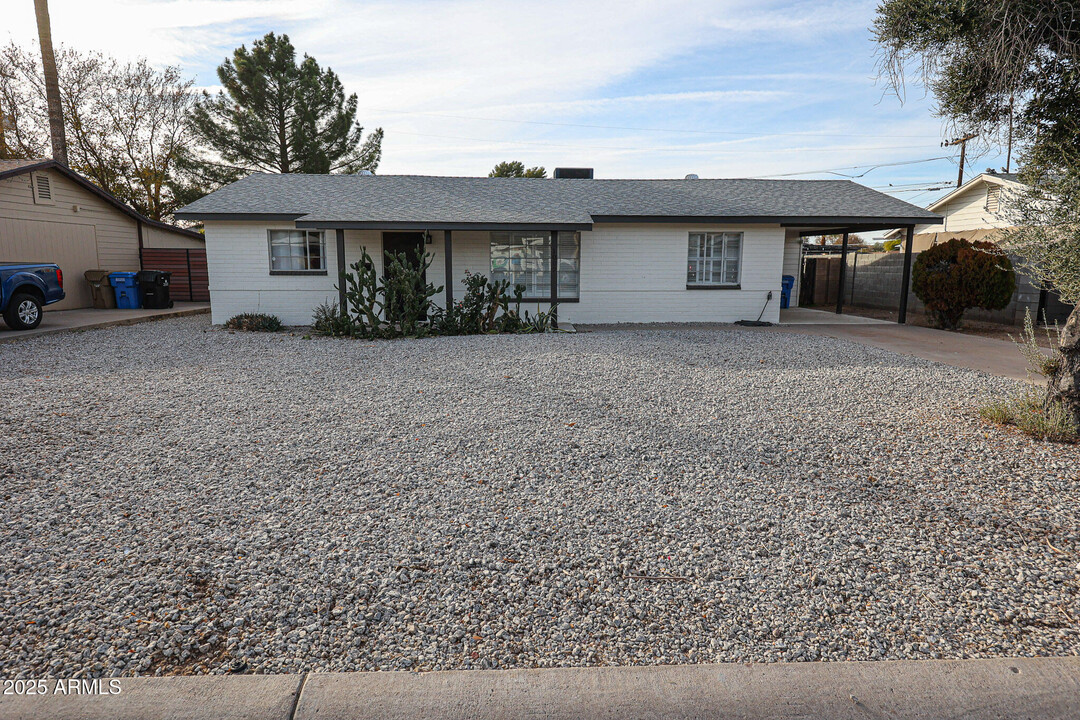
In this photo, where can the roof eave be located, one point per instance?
(210, 216)
(783, 220)
(426, 225)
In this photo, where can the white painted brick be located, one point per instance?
(629, 273)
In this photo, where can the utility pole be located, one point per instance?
(52, 83)
(962, 142)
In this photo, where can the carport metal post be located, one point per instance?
(906, 279)
(843, 270)
(448, 251)
(555, 278)
(341, 269)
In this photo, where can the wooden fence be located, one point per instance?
(190, 280)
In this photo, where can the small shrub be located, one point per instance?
(1039, 362)
(957, 275)
(998, 411)
(254, 322)
(1033, 415)
(543, 322)
(329, 320)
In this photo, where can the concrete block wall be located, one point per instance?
(873, 280)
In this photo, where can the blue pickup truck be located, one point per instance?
(25, 288)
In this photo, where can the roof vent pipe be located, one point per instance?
(692, 176)
(574, 173)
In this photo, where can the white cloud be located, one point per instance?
(622, 64)
(491, 52)
(167, 32)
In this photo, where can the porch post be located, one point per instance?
(555, 277)
(906, 279)
(447, 262)
(341, 270)
(843, 271)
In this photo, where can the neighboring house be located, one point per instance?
(49, 213)
(977, 210)
(626, 250)
(972, 211)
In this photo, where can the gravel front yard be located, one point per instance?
(176, 498)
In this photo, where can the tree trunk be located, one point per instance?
(1065, 383)
(52, 83)
(5, 153)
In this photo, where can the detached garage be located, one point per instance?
(51, 214)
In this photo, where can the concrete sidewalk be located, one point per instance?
(1032, 688)
(808, 316)
(57, 321)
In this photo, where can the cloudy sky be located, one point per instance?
(633, 88)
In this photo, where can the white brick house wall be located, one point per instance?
(629, 273)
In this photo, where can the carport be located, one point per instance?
(850, 228)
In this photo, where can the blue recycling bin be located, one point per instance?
(126, 287)
(787, 282)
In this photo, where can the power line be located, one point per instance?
(836, 171)
(921, 190)
(639, 129)
(910, 184)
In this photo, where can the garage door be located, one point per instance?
(72, 247)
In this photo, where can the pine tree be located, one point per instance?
(282, 116)
(516, 169)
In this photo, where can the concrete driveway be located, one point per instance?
(55, 321)
(996, 357)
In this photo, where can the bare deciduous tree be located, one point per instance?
(126, 123)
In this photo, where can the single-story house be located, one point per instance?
(50, 213)
(623, 250)
(978, 210)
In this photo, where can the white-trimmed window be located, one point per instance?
(524, 258)
(297, 251)
(714, 259)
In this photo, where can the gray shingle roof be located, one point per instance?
(403, 199)
(6, 165)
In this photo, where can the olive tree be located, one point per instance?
(1009, 68)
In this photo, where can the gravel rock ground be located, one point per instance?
(181, 499)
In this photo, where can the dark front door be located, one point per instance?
(410, 243)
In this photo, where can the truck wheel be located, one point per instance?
(23, 312)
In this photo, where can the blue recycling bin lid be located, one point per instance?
(129, 279)
(787, 281)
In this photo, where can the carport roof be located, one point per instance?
(425, 202)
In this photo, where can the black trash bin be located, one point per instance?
(154, 288)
